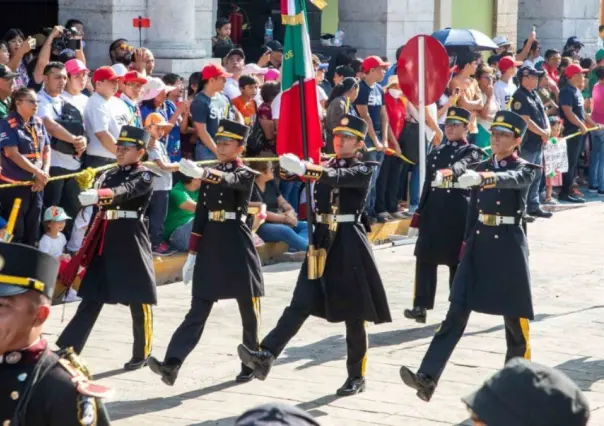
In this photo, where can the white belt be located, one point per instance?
(496, 220)
(337, 218)
(454, 185)
(121, 214)
(221, 216)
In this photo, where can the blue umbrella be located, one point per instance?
(475, 40)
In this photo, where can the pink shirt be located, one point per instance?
(597, 113)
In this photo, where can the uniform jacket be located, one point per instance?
(442, 211)
(493, 276)
(121, 269)
(227, 265)
(351, 286)
(63, 397)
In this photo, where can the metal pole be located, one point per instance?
(422, 111)
(309, 215)
(140, 31)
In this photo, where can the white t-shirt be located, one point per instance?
(49, 107)
(80, 225)
(79, 101)
(163, 182)
(231, 88)
(503, 93)
(100, 115)
(432, 110)
(53, 246)
(276, 105)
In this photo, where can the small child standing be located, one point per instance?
(221, 42)
(556, 180)
(158, 127)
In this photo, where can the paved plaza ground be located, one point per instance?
(567, 263)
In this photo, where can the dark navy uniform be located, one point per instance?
(494, 232)
(117, 255)
(227, 265)
(441, 216)
(37, 386)
(32, 142)
(350, 289)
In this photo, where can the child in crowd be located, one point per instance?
(246, 103)
(158, 127)
(555, 180)
(221, 42)
(53, 242)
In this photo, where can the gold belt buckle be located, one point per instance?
(218, 216)
(111, 214)
(490, 220)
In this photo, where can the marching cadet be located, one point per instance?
(344, 285)
(494, 232)
(117, 250)
(441, 216)
(228, 265)
(37, 386)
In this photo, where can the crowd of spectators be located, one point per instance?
(58, 118)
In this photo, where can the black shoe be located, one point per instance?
(246, 375)
(352, 387)
(259, 361)
(541, 213)
(168, 373)
(600, 193)
(571, 199)
(421, 382)
(135, 364)
(418, 314)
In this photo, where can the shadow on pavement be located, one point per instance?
(110, 373)
(583, 372)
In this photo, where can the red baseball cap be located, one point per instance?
(212, 71)
(134, 77)
(372, 62)
(104, 74)
(574, 69)
(506, 63)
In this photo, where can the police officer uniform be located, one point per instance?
(350, 289)
(227, 265)
(441, 216)
(37, 386)
(117, 255)
(494, 231)
(32, 140)
(528, 103)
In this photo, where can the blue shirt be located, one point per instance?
(172, 140)
(572, 97)
(30, 138)
(373, 98)
(210, 111)
(391, 71)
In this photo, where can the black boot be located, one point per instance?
(168, 372)
(418, 314)
(246, 375)
(352, 387)
(135, 364)
(422, 383)
(259, 361)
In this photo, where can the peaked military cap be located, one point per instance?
(133, 136)
(24, 268)
(276, 414)
(353, 126)
(228, 129)
(525, 393)
(458, 115)
(509, 121)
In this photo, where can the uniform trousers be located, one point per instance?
(296, 314)
(188, 334)
(27, 226)
(452, 328)
(425, 283)
(78, 330)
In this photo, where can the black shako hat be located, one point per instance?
(353, 126)
(24, 268)
(276, 414)
(509, 121)
(458, 115)
(232, 130)
(525, 393)
(133, 136)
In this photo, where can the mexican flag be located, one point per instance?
(297, 64)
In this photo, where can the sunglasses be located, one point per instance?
(126, 47)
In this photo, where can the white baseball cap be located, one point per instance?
(253, 69)
(154, 87)
(120, 69)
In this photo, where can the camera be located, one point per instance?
(67, 40)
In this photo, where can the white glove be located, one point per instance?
(187, 269)
(468, 179)
(88, 197)
(438, 180)
(412, 232)
(292, 164)
(192, 170)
